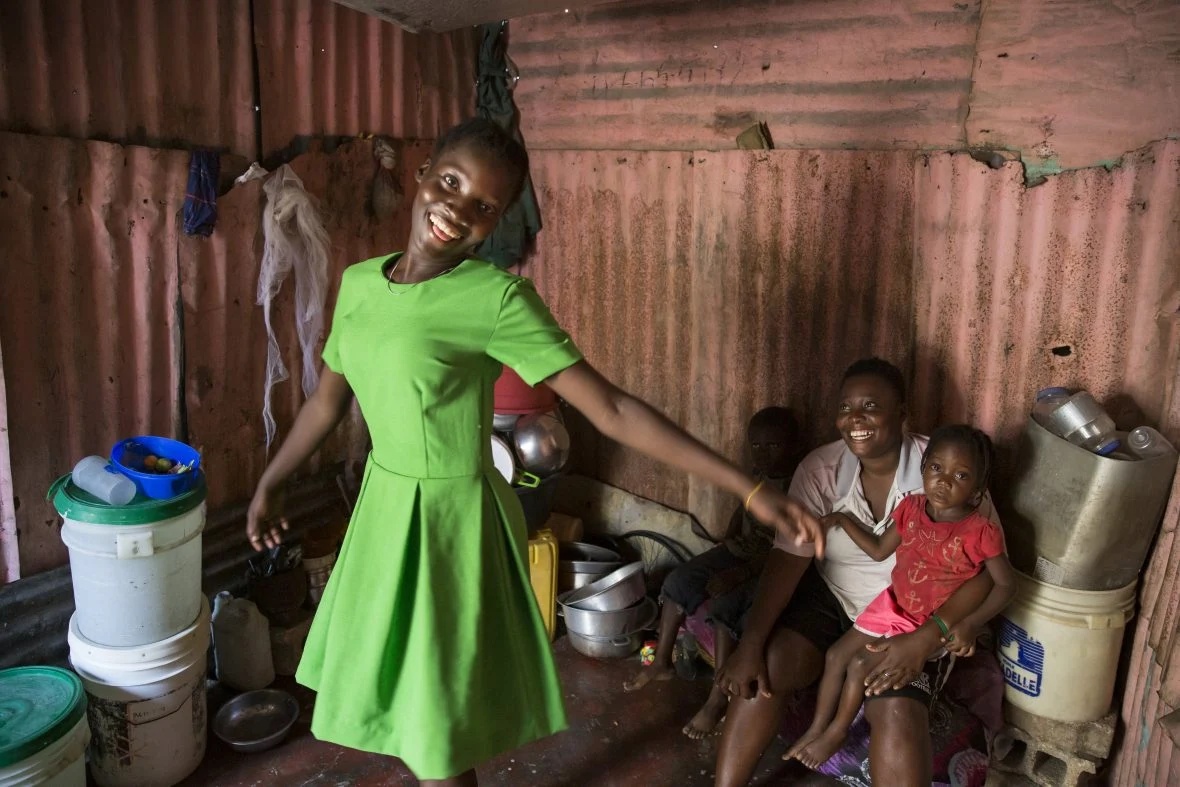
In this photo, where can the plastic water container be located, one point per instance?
(1146, 442)
(241, 642)
(1059, 648)
(1083, 422)
(1048, 400)
(43, 729)
(101, 479)
(136, 569)
(543, 577)
(147, 706)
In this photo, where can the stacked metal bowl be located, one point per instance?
(606, 618)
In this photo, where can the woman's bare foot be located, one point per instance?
(646, 675)
(822, 748)
(707, 720)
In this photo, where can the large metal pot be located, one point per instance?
(617, 590)
(606, 647)
(589, 623)
(582, 564)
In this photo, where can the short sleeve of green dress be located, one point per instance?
(428, 644)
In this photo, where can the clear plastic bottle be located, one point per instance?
(1048, 400)
(1146, 442)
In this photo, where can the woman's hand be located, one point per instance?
(774, 508)
(905, 656)
(266, 509)
(744, 673)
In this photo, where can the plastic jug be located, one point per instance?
(96, 476)
(1048, 400)
(1146, 442)
(241, 644)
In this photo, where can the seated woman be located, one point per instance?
(726, 575)
(803, 607)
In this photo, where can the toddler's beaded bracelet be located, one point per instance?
(753, 492)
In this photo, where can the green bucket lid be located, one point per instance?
(38, 705)
(74, 503)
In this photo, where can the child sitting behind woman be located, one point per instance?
(941, 541)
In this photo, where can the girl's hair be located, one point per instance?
(488, 138)
(970, 438)
(881, 369)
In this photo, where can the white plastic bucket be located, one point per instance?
(61, 764)
(1059, 648)
(147, 706)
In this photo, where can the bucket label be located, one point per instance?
(1022, 657)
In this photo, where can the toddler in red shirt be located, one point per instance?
(941, 541)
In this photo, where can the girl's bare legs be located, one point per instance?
(833, 686)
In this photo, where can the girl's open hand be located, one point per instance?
(776, 509)
(264, 519)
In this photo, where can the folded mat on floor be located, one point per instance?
(962, 720)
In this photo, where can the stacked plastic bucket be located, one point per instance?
(140, 633)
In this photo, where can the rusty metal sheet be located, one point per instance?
(1076, 83)
(327, 70)
(88, 234)
(671, 75)
(705, 282)
(131, 71)
(225, 340)
(443, 15)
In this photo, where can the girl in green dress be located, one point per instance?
(428, 644)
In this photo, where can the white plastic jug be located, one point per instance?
(241, 644)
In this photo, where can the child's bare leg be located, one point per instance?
(831, 686)
(709, 716)
(831, 739)
(671, 616)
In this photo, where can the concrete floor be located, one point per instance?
(615, 740)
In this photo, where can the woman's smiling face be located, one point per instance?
(869, 416)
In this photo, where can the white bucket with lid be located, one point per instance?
(136, 569)
(43, 730)
(1059, 648)
(147, 706)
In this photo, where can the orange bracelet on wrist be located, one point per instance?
(753, 492)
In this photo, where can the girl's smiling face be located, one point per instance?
(869, 416)
(461, 196)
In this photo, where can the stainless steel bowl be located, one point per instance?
(256, 720)
(572, 580)
(623, 622)
(617, 590)
(606, 647)
(542, 443)
(504, 422)
(583, 558)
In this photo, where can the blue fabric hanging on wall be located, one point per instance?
(200, 199)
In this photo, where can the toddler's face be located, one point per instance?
(950, 477)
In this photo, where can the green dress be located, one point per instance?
(428, 644)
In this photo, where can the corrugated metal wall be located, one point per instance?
(182, 74)
(1039, 78)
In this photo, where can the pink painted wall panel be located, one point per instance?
(1076, 82)
(822, 74)
(327, 70)
(88, 232)
(132, 71)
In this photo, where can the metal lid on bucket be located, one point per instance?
(81, 506)
(38, 706)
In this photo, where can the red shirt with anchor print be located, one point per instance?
(936, 558)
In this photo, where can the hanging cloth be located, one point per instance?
(200, 198)
(497, 77)
(293, 238)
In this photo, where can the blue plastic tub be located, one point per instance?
(157, 486)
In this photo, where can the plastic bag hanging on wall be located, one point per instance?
(385, 193)
(293, 238)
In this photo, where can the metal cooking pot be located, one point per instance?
(542, 443)
(606, 647)
(504, 422)
(622, 622)
(582, 558)
(617, 590)
(573, 580)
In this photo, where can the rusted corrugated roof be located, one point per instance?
(672, 75)
(327, 70)
(88, 235)
(132, 71)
